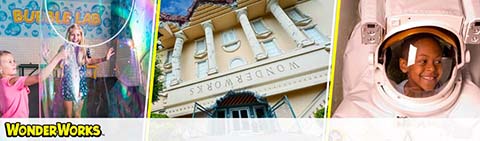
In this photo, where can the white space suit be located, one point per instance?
(370, 93)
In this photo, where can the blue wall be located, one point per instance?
(23, 18)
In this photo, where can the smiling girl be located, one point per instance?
(74, 81)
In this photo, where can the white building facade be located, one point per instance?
(246, 59)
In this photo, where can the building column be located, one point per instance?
(288, 25)
(177, 53)
(212, 63)
(250, 34)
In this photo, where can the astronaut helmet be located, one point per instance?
(417, 67)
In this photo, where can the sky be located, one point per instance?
(175, 7)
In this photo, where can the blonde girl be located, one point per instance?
(74, 83)
(14, 89)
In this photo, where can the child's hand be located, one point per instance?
(110, 53)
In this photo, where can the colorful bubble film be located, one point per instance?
(115, 88)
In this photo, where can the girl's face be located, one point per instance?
(8, 66)
(75, 36)
(425, 73)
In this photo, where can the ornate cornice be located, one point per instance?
(182, 20)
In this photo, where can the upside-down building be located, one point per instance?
(245, 58)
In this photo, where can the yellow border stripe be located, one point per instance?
(334, 55)
(154, 57)
(332, 70)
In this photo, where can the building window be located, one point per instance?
(221, 114)
(271, 48)
(200, 48)
(241, 112)
(202, 69)
(168, 79)
(260, 111)
(229, 36)
(316, 35)
(297, 17)
(236, 63)
(260, 29)
(230, 41)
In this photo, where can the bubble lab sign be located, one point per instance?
(57, 17)
(22, 18)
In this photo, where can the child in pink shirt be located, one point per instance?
(14, 89)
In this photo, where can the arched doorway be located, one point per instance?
(243, 104)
